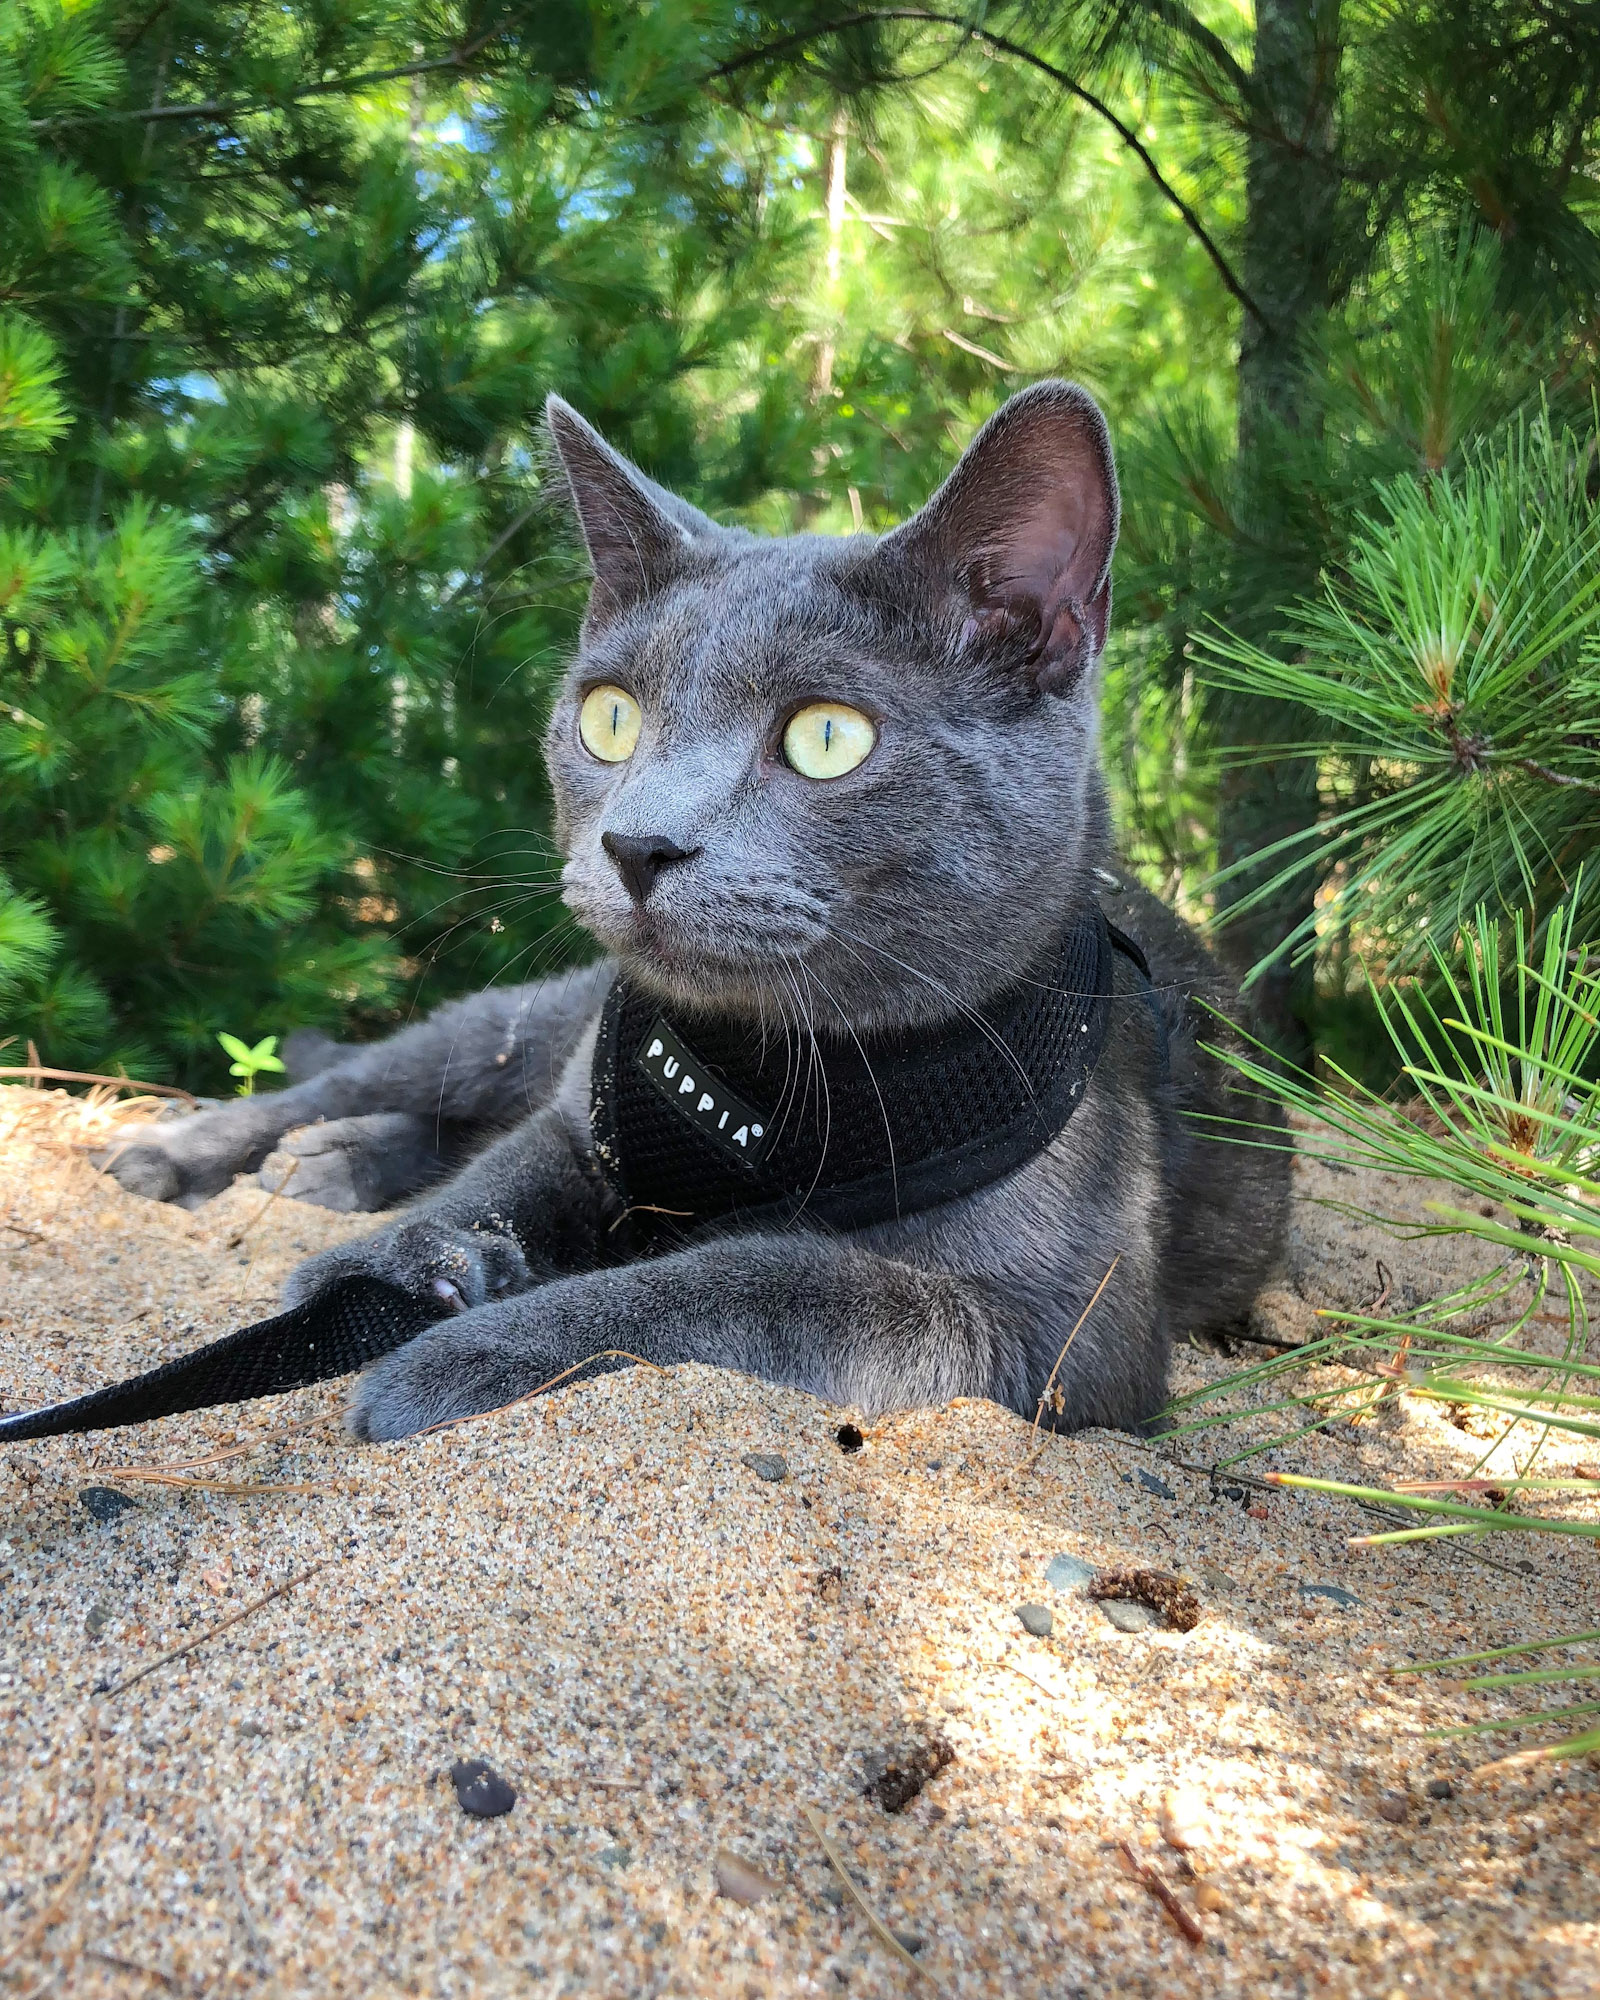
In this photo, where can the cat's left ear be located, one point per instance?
(1017, 542)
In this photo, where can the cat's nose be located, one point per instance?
(640, 858)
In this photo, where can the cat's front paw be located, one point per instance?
(457, 1368)
(460, 1268)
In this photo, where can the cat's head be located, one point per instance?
(814, 777)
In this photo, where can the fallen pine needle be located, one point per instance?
(211, 1631)
(157, 1476)
(1147, 1878)
(53, 1911)
(218, 1457)
(1044, 1394)
(239, 1235)
(880, 1929)
(1030, 1680)
(527, 1396)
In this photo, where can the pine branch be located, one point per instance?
(221, 109)
(1002, 45)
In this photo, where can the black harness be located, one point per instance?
(705, 1125)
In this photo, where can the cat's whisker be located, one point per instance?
(883, 1110)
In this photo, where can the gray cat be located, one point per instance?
(826, 794)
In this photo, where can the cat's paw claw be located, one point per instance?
(460, 1267)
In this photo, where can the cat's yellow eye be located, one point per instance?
(608, 722)
(827, 738)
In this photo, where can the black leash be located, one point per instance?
(334, 1333)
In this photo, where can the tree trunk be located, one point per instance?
(1291, 189)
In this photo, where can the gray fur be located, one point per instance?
(906, 892)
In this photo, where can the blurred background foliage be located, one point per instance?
(282, 594)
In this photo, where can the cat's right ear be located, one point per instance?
(1015, 547)
(639, 536)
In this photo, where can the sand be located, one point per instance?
(668, 1656)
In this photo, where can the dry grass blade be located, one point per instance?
(880, 1929)
(55, 1909)
(211, 1631)
(1149, 1879)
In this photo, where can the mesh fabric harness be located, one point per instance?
(837, 1133)
(701, 1124)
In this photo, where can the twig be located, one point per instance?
(53, 1911)
(34, 1235)
(96, 1076)
(1148, 1878)
(235, 1240)
(191, 1645)
(880, 1929)
(1044, 1394)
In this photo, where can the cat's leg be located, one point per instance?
(357, 1164)
(473, 1066)
(811, 1312)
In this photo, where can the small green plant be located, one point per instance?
(249, 1063)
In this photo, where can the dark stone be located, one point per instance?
(766, 1464)
(1037, 1619)
(105, 1503)
(480, 1791)
(1394, 1807)
(96, 1619)
(1152, 1484)
(850, 1439)
(1345, 1599)
(907, 1940)
(1441, 1788)
(895, 1777)
(615, 1857)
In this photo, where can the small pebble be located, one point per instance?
(1185, 1818)
(250, 1727)
(1441, 1788)
(740, 1880)
(1037, 1619)
(480, 1791)
(615, 1856)
(1209, 1898)
(105, 1503)
(766, 1464)
(1152, 1484)
(1067, 1573)
(1394, 1807)
(96, 1619)
(1126, 1615)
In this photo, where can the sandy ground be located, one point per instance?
(668, 1656)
